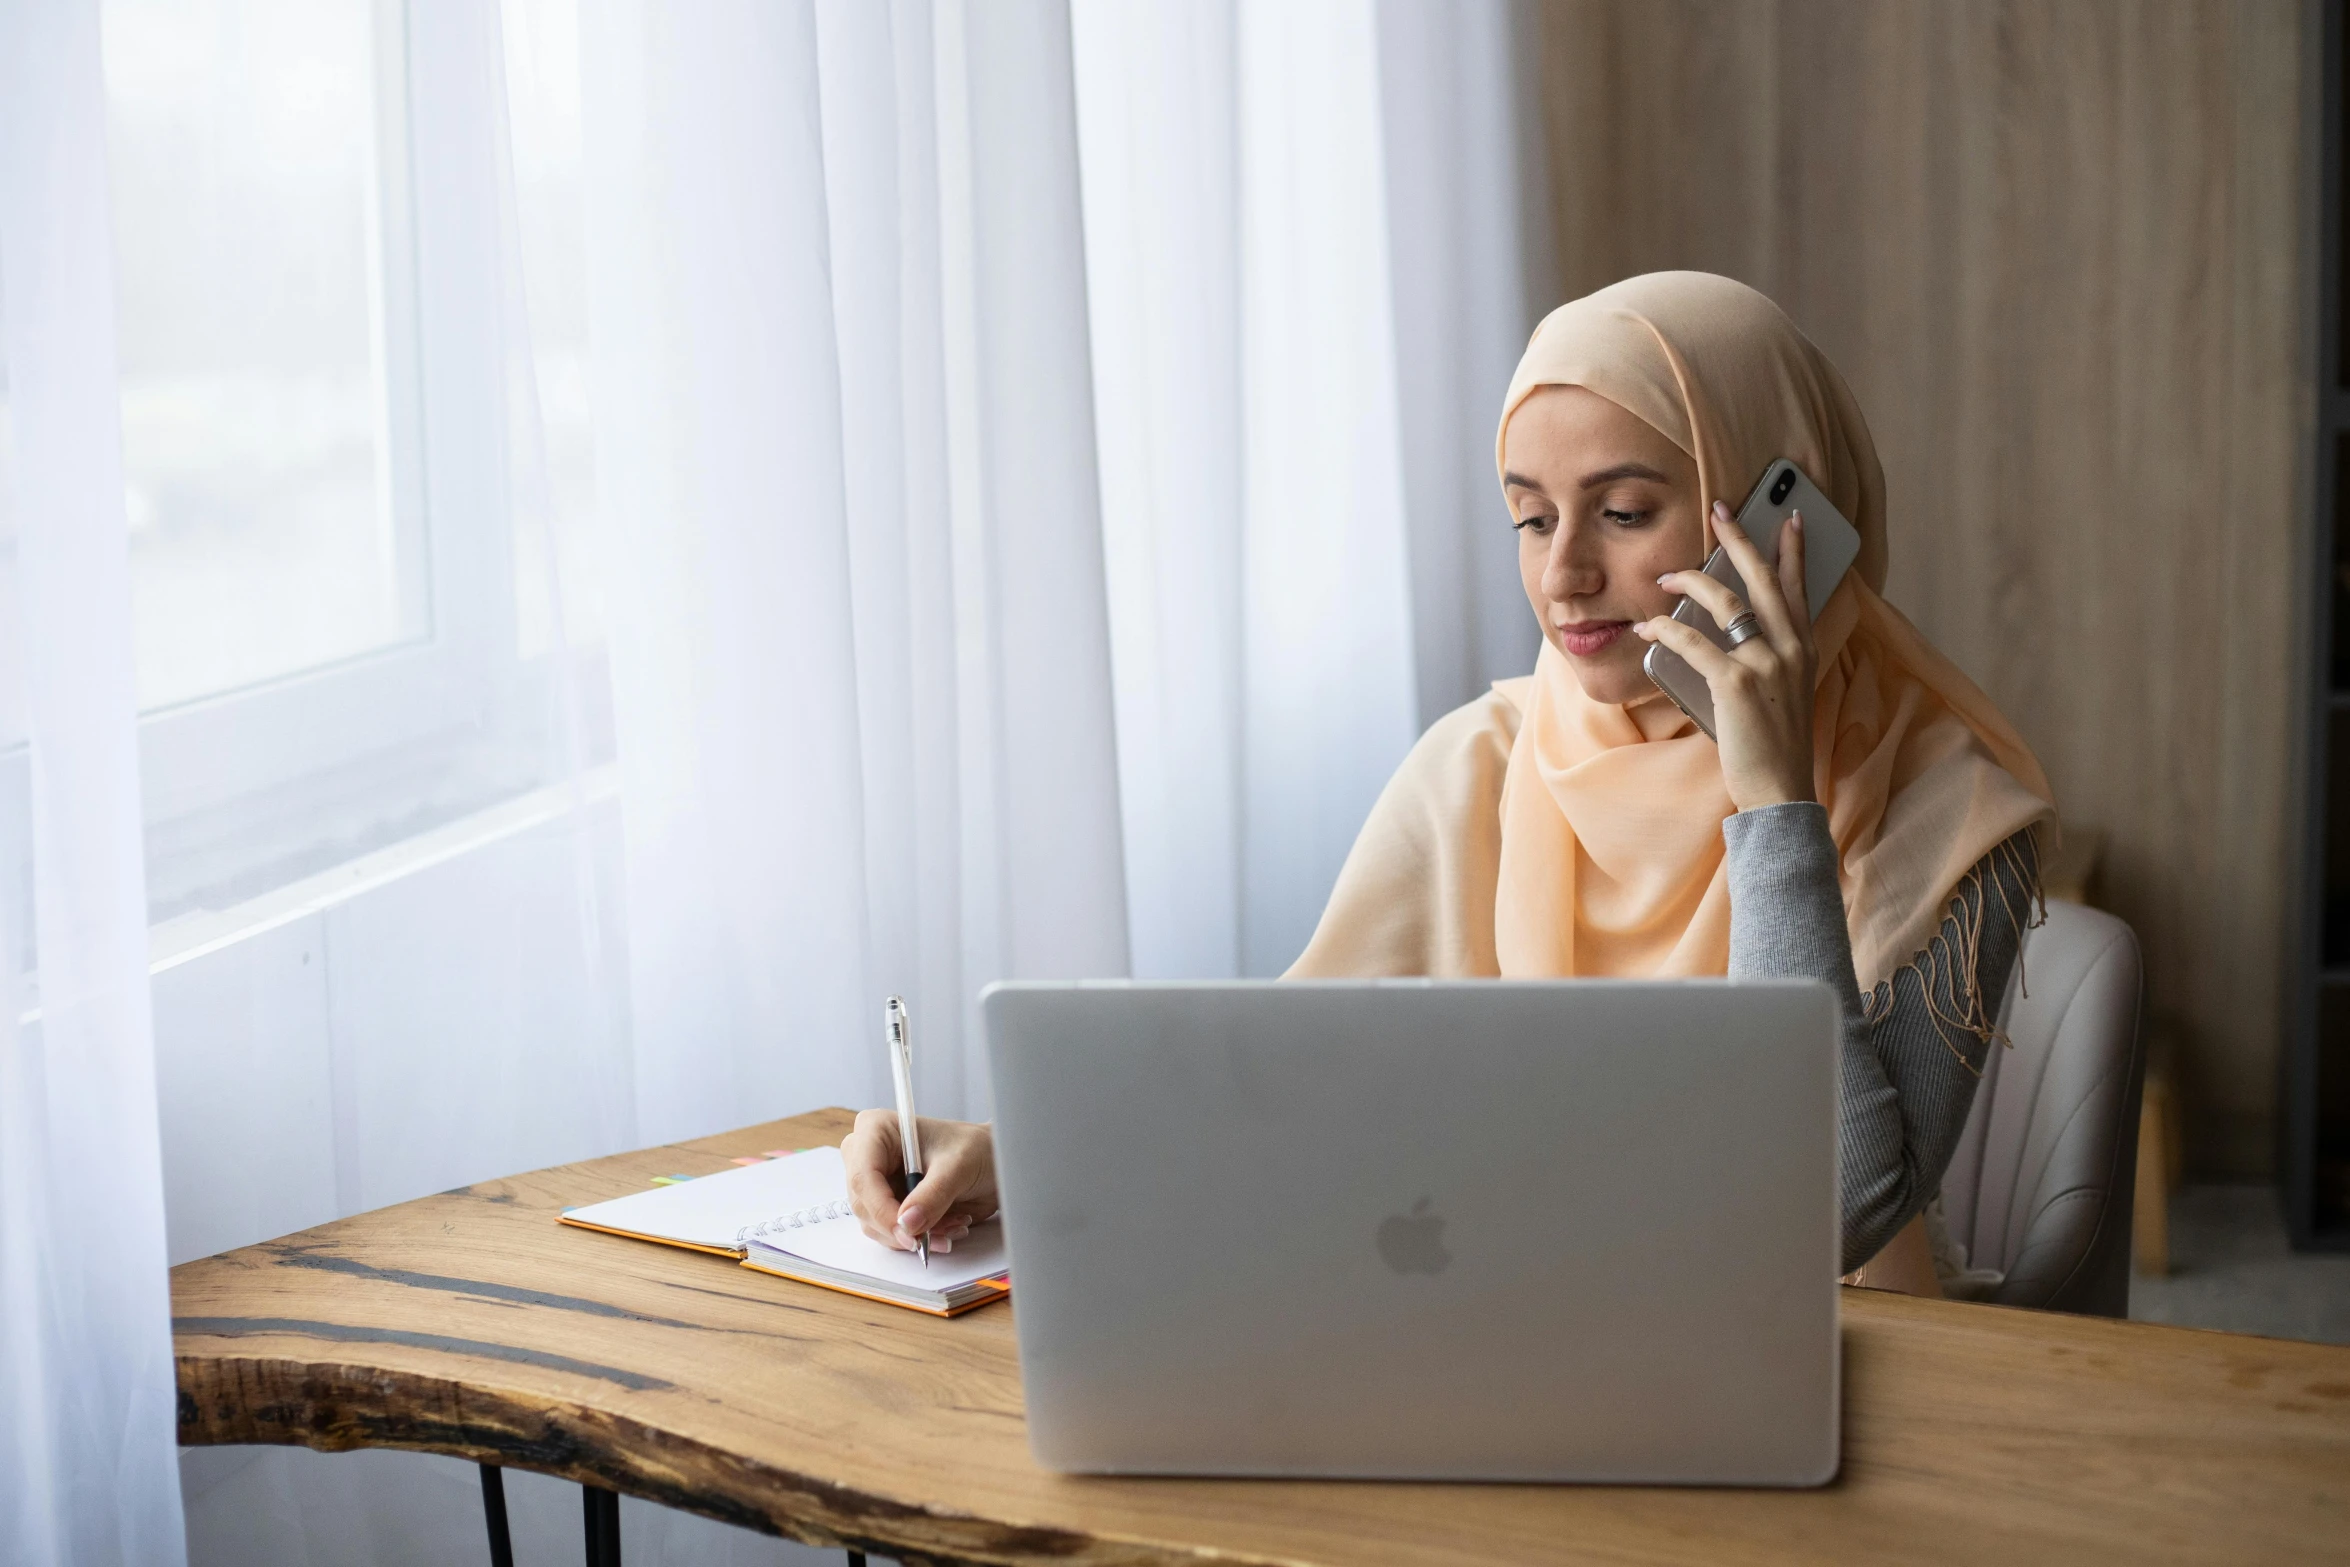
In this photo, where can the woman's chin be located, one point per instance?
(1612, 678)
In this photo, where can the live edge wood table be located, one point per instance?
(472, 1324)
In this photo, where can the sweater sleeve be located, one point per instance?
(1908, 1064)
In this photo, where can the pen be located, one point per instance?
(901, 1068)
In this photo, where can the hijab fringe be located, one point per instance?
(1953, 960)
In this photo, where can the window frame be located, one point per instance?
(446, 692)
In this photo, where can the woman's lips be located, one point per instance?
(1586, 637)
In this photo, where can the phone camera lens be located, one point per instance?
(1786, 482)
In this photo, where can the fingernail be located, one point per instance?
(1797, 519)
(913, 1220)
(1667, 577)
(904, 1241)
(941, 1243)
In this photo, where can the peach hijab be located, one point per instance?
(1611, 844)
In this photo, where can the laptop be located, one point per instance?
(1424, 1230)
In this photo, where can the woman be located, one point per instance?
(1867, 817)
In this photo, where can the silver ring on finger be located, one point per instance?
(1744, 627)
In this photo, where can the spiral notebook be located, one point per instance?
(791, 1217)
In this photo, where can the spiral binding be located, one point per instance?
(798, 1218)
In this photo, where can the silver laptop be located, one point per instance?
(1416, 1229)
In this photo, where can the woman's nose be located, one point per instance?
(1569, 573)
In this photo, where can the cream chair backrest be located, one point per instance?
(2041, 1184)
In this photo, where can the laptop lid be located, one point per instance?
(1473, 1230)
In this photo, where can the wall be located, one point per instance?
(398, 1033)
(2059, 247)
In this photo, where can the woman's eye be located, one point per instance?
(1629, 519)
(1540, 522)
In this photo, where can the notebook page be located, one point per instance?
(842, 1244)
(713, 1210)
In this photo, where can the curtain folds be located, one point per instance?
(721, 478)
(1471, 269)
(1025, 417)
(88, 1409)
(1157, 114)
(1308, 234)
(859, 663)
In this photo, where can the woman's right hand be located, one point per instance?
(958, 1179)
(1763, 687)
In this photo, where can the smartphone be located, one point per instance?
(1830, 545)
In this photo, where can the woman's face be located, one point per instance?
(1604, 505)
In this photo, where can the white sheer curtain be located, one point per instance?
(87, 1406)
(918, 492)
(720, 430)
(1314, 255)
(860, 669)
(1473, 267)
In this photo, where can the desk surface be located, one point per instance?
(471, 1323)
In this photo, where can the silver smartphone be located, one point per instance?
(1830, 545)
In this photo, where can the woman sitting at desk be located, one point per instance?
(1866, 819)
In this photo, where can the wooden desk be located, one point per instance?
(472, 1324)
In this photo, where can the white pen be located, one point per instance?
(901, 1068)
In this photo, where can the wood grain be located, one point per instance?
(471, 1323)
(2061, 249)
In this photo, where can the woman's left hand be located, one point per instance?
(1762, 688)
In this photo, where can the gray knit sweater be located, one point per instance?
(1907, 1079)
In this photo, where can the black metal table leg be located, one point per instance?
(493, 1508)
(856, 1559)
(602, 1509)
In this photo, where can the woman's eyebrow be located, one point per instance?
(1623, 470)
(1522, 482)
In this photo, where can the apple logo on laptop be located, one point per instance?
(1414, 1242)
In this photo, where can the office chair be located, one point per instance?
(2041, 1184)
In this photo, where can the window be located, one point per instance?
(342, 627)
(269, 453)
